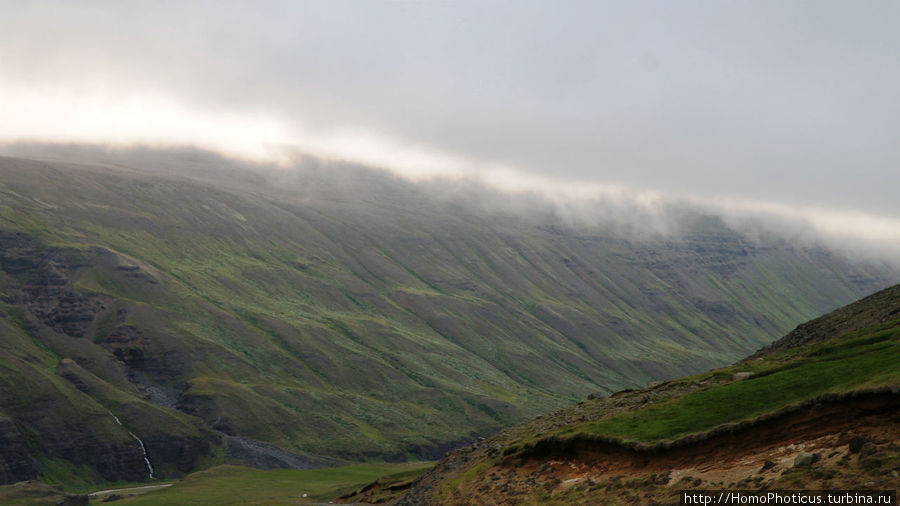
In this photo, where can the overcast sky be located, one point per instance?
(792, 104)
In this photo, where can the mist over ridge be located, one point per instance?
(632, 213)
(778, 109)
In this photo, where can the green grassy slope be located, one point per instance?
(361, 317)
(684, 414)
(864, 359)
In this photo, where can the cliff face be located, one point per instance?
(58, 413)
(15, 463)
(43, 285)
(306, 317)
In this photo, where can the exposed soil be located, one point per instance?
(753, 455)
(379, 492)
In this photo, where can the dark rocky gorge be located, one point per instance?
(47, 422)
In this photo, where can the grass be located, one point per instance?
(450, 486)
(381, 329)
(240, 485)
(29, 493)
(863, 359)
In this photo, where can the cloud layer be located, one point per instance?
(793, 104)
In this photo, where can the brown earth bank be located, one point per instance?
(835, 442)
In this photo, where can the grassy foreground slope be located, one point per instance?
(743, 426)
(344, 313)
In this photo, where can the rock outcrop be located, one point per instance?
(67, 420)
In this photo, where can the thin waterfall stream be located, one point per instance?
(143, 448)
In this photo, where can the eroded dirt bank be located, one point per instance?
(834, 442)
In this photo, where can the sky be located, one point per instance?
(782, 107)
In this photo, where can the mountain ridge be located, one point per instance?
(348, 319)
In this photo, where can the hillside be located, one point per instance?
(817, 414)
(227, 313)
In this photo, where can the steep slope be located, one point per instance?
(873, 310)
(278, 318)
(818, 415)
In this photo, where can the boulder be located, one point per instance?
(856, 444)
(804, 460)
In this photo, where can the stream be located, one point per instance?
(143, 448)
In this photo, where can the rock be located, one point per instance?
(867, 450)
(74, 500)
(804, 460)
(15, 464)
(661, 478)
(768, 465)
(738, 376)
(856, 444)
(255, 454)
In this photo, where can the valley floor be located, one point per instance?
(232, 485)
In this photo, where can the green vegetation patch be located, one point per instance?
(241, 485)
(865, 359)
(30, 493)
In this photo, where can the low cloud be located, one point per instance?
(125, 119)
(773, 113)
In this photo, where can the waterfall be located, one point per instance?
(146, 460)
(143, 448)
